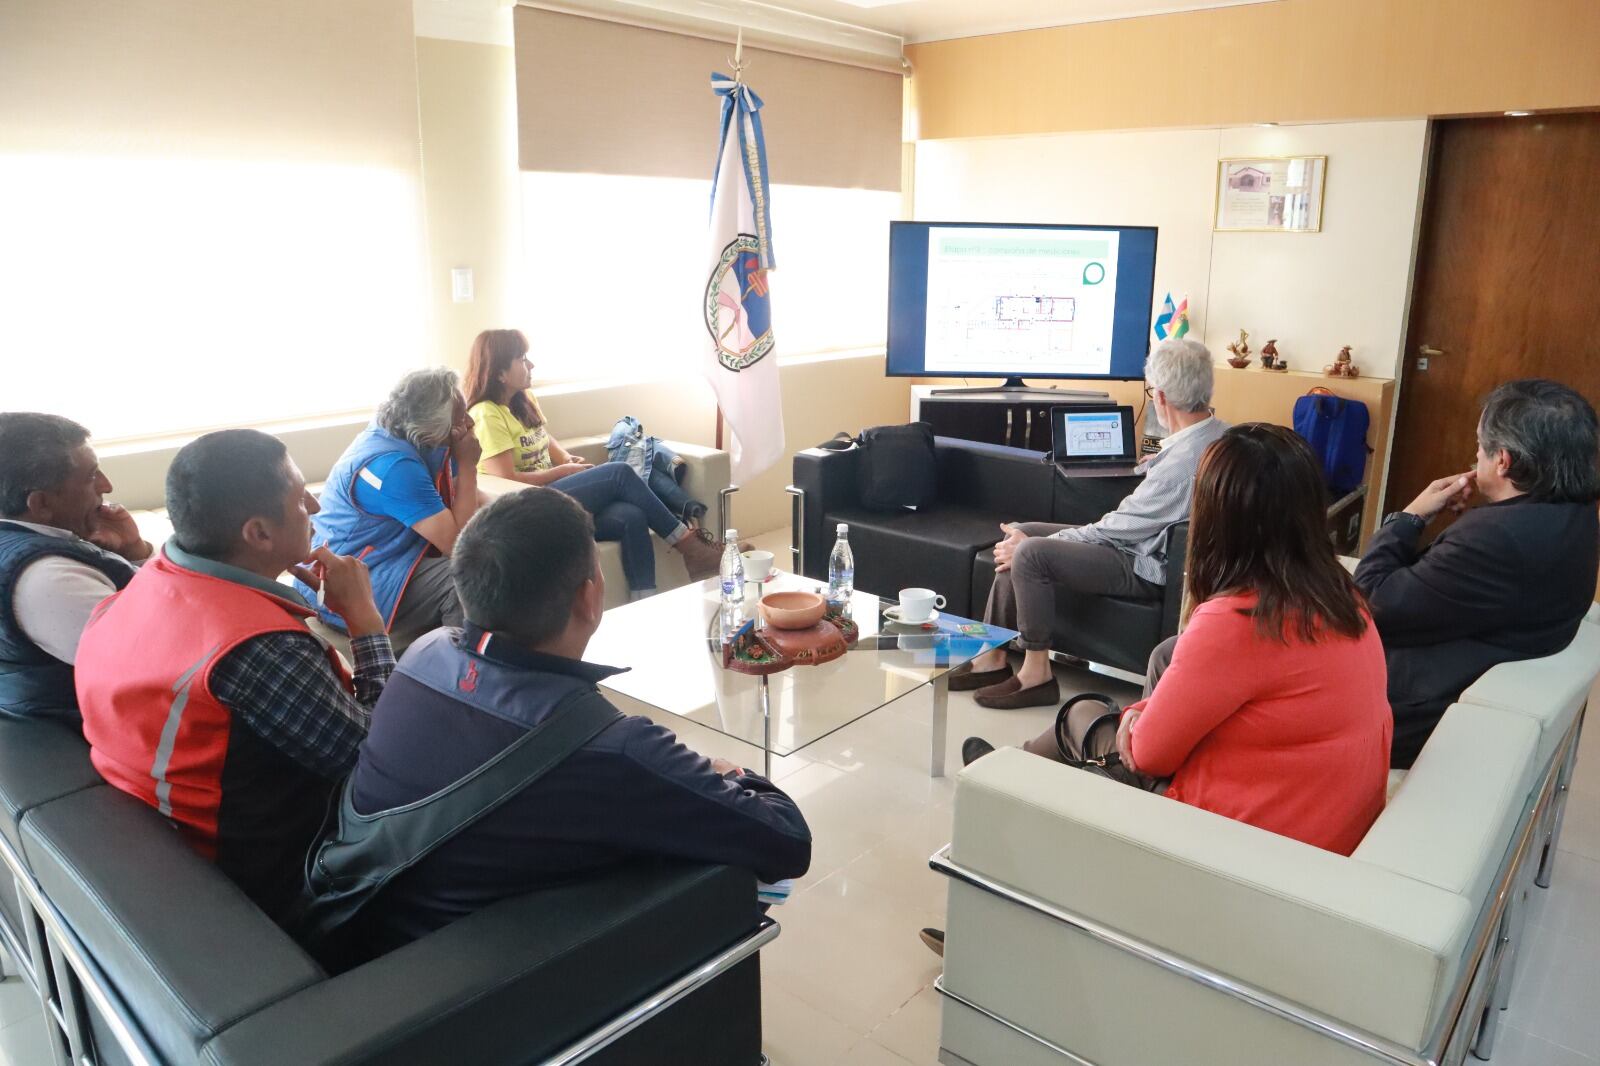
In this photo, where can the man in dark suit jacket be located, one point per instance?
(1510, 579)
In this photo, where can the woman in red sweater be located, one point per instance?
(1273, 708)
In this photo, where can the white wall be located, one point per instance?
(1129, 179)
(1348, 284)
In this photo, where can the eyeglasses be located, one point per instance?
(1149, 392)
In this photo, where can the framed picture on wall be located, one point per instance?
(1271, 194)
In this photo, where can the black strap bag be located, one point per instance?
(361, 853)
(896, 469)
(1086, 725)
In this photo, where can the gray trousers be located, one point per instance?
(1024, 597)
(1045, 743)
(428, 602)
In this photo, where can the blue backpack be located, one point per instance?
(1336, 429)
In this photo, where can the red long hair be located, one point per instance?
(493, 352)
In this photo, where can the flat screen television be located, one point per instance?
(997, 300)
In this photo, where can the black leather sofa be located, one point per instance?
(948, 545)
(144, 953)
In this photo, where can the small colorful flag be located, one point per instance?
(1165, 317)
(1180, 319)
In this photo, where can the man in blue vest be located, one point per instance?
(63, 549)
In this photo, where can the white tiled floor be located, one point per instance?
(849, 983)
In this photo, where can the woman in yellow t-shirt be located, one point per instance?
(517, 445)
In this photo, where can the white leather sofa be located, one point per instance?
(708, 477)
(1091, 923)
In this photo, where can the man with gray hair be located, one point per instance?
(1119, 555)
(398, 498)
(1510, 579)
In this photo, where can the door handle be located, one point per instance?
(1027, 434)
(1008, 426)
(1427, 351)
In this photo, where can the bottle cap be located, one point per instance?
(731, 536)
(842, 527)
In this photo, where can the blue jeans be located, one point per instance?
(626, 511)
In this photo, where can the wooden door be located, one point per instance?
(1507, 284)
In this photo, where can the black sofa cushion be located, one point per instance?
(41, 759)
(185, 948)
(531, 975)
(931, 548)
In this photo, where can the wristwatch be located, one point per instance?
(1415, 521)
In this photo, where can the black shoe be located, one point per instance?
(934, 938)
(973, 749)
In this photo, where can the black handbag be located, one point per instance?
(896, 469)
(1081, 730)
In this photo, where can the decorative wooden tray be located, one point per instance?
(761, 649)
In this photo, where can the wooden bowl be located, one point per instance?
(792, 610)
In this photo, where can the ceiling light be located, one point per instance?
(1266, 123)
(1518, 114)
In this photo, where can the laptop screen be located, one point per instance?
(1092, 433)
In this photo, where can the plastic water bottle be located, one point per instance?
(732, 585)
(841, 569)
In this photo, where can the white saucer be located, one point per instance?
(893, 615)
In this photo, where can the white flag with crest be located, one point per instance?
(742, 365)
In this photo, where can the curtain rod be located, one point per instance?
(776, 39)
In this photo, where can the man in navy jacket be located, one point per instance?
(1510, 579)
(528, 577)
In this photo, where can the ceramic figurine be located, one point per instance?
(1342, 367)
(1241, 351)
(1269, 356)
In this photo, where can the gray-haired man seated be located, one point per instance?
(1119, 555)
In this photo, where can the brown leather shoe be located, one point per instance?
(702, 556)
(1011, 696)
(965, 679)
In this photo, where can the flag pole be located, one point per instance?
(737, 63)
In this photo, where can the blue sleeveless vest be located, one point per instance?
(34, 683)
(390, 549)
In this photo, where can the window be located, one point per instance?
(148, 295)
(616, 268)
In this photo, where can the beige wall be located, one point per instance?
(1314, 292)
(467, 107)
(1290, 61)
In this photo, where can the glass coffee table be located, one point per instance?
(670, 642)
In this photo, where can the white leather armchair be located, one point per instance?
(708, 477)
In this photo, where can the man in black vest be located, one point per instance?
(1510, 579)
(527, 573)
(63, 549)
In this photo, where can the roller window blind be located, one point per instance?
(212, 209)
(599, 97)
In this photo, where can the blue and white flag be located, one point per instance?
(1164, 319)
(742, 368)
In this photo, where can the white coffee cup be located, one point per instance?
(757, 565)
(916, 605)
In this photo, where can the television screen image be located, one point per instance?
(1014, 301)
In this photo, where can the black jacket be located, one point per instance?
(1509, 580)
(458, 698)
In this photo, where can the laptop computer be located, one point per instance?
(1093, 440)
